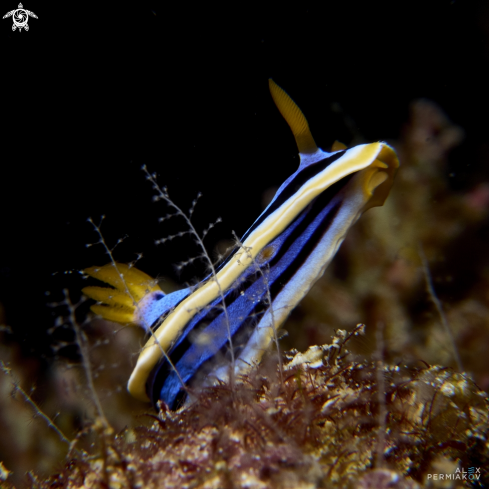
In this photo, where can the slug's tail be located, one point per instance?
(122, 302)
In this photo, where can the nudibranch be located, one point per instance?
(236, 312)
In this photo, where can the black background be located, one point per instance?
(92, 92)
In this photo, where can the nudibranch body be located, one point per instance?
(278, 260)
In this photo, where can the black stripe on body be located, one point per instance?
(246, 302)
(302, 177)
(291, 187)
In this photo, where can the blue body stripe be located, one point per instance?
(245, 303)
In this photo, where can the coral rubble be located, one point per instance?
(319, 423)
